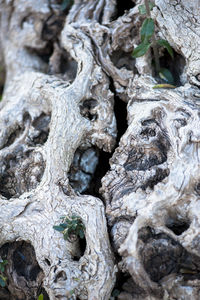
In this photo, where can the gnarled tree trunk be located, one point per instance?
(70, 79)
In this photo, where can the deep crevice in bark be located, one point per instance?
(83, 168)
(81, 247)
(60, 276)
(162, 255)
(121, 225)
(41, 124)
(123, 59)
(120, 110)
(123, 6)
(101, 169)
(24, 276)
(86, 109)
(62, 64)
(2, 78)
(177, 225)
(90, 165)
(68, 65)
(14, 181)
(175, 66)
(13, 136)
(126, 288)
(44, 54)
(87, 170)
(52, 27)
(160, 174)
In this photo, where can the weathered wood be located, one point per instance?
(64, 72)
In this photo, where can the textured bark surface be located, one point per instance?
(70, 78)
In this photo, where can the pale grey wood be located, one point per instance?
(153, 181)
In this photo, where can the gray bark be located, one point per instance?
(65, 71)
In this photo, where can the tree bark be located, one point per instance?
(70, 76)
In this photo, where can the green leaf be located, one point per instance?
(166, 45)
(58, 228)
(76, 278)
(164, 86)
(74, 217)
(74, 222)
(141, 49)
(41, 297)
(147, 30)
(2, 282)
(2, 265)
(2, 268)
(63, 225)
(166, 75)
(73, 227)
(142, 8)
(68, 222)
(151, 5)
(66, 236)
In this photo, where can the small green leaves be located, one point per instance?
(146, 33)
(166, 75)
(41, 297)
(71, 228)
(142, 8)
(71, 292)
(58, 228)
(2, 265)
(166, 45)
(2, 269)
(147, 30)
(140, 50)
(76, 279)
(2, 281)
(164, 86)
(148, 40)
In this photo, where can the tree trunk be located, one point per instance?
(70, 81)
